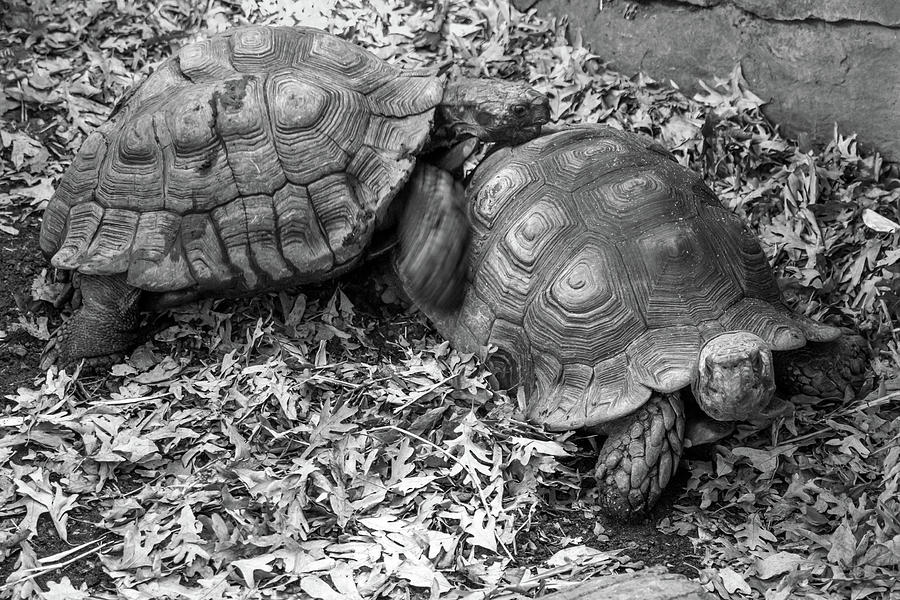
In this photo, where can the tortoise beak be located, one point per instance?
(529, 133)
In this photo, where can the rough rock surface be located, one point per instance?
(649, 584)
(817, 62)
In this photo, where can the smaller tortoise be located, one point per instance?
(261, 158)
(611, 280)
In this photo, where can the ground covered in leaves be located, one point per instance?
(327, 442)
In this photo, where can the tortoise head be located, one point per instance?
(493, 110)
(735, 378)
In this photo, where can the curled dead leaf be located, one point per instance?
(876, 222)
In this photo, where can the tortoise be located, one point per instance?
(612, 284)
(260, 158)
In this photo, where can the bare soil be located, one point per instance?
(555, 528)
(22, 260)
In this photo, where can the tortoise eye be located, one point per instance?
(519, 110)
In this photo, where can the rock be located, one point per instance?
(817, 62)
(654, 583)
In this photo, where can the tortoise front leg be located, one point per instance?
(640, 456)
(102, 329)
(823, 369)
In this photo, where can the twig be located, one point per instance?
(38, 571)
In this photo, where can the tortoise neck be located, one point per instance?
(455, 116)
(467, 91)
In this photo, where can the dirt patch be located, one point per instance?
(85, 567)
(555, 528)
(19, 357)
(19, 352)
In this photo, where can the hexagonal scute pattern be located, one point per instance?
(256, 158)
(599, 267)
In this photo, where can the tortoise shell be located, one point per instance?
(598, 267)
(260, 156)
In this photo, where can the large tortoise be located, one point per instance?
(610, 279)
(260, 158)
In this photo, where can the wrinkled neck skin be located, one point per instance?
(450, 120)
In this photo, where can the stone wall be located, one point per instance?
(817, 62)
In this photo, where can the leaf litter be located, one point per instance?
(295, 444)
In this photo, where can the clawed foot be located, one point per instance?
(58, 352)
(88, 366)
(102, 330)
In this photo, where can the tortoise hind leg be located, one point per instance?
(102, 329)
(640, 456)
(434, 234)
(823, 369)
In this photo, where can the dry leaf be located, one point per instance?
(778, 564)
(734, 581)
(879, 223)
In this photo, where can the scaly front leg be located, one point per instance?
(640, 456)
(102, 329)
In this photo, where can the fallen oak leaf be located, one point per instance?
(166, 370)
(36, 327)
(38, 193)
(186, 543)
(883, 554)
(138, 543)
(734, 581)
(133, 448)
(528, 447)
(408, 484)
(22, 579)
(482, 530)
(754, 534)
(422, 573)
(330, 425)
(6, 104)
(63, 590)
(368, 552)
(843, 545)
(298, 561)
(39, 499)
(384, 522)
(778, 564)
(44, 288)
(59, 509)
(24, 147)
(247, 566)
(316, 587)
(580, 555)
(342, 578)
(850, 442)
(764, 461)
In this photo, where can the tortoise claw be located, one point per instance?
(52, 356)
